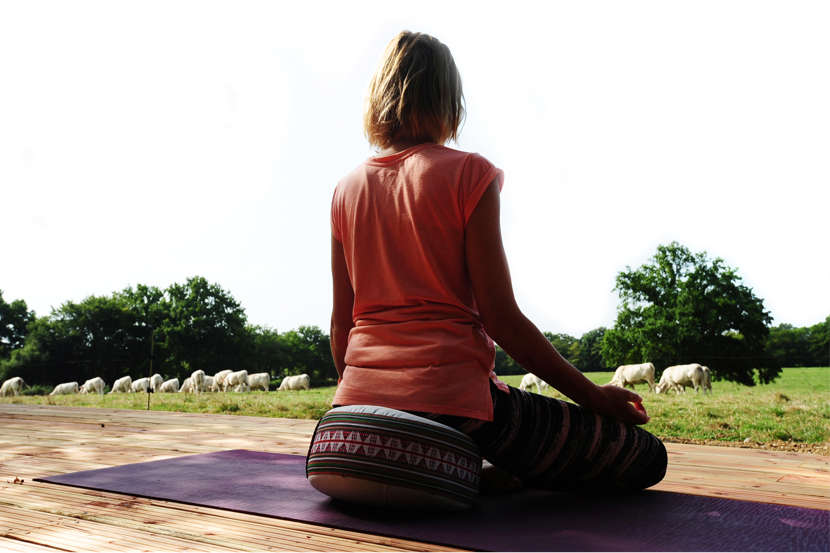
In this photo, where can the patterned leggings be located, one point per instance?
(557, 445)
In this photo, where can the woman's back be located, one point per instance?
(418, 337)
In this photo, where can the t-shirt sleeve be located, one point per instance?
(336, 214)
(476, 176)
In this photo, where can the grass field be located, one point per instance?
(794, 409)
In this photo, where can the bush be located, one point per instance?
(37, 390)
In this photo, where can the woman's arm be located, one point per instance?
(507, 325)
(342, 306)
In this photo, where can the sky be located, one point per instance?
(148, 142)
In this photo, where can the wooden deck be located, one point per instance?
(45, 440)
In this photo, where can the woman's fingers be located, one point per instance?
(639, 413)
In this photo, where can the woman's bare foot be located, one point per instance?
(495, 481)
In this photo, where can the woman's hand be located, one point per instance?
(619, 403)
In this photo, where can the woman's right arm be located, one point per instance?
(515, 333)
(342, 306)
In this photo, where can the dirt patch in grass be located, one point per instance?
(778, 445)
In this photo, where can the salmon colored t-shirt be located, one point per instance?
(418, 343)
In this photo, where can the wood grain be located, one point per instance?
(38, 440)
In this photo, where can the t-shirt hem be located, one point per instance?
(419, 407)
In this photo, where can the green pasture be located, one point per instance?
(796, 407)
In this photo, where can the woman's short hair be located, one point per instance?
(415, 94)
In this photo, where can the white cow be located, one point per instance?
(677, 377)
(707, 379)
(65, 388)
(209, 383)
(123, 384)
(259, 381)
(234, 379)
(12, 387)
(529, 380)
(298, 382)
(93, 386)
(140, 386)
(242, 387)
(187, 386)
(156, 381)
(219, 380)
(629, 375)
(197, 379)
(169, 386)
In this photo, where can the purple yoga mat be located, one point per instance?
(274, 484)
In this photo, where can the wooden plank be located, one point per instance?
(87, 504)
(74, 533)
(156, 510)
(189, 522)
(213, 528)
(743, 494)
(19, 545)
(42, 440)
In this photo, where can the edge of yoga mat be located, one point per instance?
(58, 479)
(572, 523)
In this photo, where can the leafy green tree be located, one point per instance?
(264, 351)
(566, 345)
(14, 322)
(195, 325)
(683, 307)
(29, 360)
(504, 364)
(789, 345)
(818, 342)
(800, 346)
(99, 331)
(590, 351)
(308, 350)
(78, 341)
(150, 310)
(203, 328)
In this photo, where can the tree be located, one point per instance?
(800, 346)
(78, 341)
(683, 308)
(566, 345)
(590, 351)
(308, 350)
(818, 343)
(14, 324)
(28, 360)
(788, 345)
(264, 351)
(203, 327)
(150, 310)
(504, 364)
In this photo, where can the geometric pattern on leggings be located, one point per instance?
(558, 445)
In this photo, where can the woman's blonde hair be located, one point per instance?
(415, 94)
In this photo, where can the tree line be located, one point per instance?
(189, 326)
(680, 307)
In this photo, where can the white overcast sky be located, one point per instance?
(147, 142)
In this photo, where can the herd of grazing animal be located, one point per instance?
(676, 377)
(198, 382)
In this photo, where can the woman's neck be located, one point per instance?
(399, 146)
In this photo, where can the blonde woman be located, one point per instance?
(422, 288)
